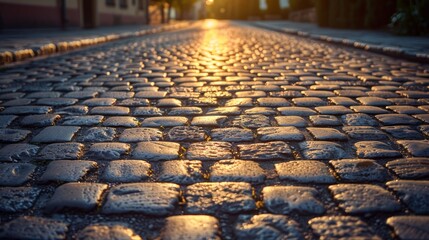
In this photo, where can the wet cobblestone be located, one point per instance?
(270, 136)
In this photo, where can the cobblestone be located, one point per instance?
(148, 198)
(67, 170)
(340, 227)
(191, 227)
(28, 227)
(126, 171)
(76, 196)
(286, 199)
(56, 134)
(305, 171)
(410, 227)
(225, 197)
(364, 198)
(17, 199)
(201, 121)
(359, 170)
(410, 168)
(113, 231)
(237, 171)
(18, 152)
(15, 174)
(413, 193)
(155, 151)
(267, 227)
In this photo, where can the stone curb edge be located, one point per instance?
(7, 57)
(386, 50)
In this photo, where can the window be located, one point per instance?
(110, 3)
(123, 4)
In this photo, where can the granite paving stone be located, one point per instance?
(291, 121)
(237, 171)
(191, 227)
(264, 151)
(81, 120)
(23, 110)
(403, 132)
(29, 227)
(279, 134)
(414, 194)
(410, 227)
(396, 119)
(6, 120)
(73, 110)
(375, 149)
(320, 150)
(18, 199)
(410, 168)
(13, 135)
(121, 122)
(76, 196)
(126, 171)
(156, 199)
(148, 111)
(327, 134)
(358, 119)
(15, 174)
(272, 102)
(155, 151)
(224, 111)
(251, 121)
(417, 148)
(209, 121)
(212, 150)
(110, 110)
(67, 170)
(140, 135)
(324, 120)
(305, 171)
(18, 152)
(55, 134)
(296, 111)
(186, 133)
(98, 134)
(364, 198)
(96, 102)
(40, 120)
(181, 171)
(287, 199)
(185, 111)
(107, 231)
(56, 151)
(364, 133)
(341, 227)
(164, 121)
(359, 170)
(267, 227)
(108, 151)
(232, 134)
(212, 197)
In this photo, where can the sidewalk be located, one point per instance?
(20, 44)
(413, 47)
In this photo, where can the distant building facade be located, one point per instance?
(71, 13)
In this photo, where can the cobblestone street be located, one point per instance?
(220, 130)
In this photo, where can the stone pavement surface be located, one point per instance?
(375, 40)
(220, 131)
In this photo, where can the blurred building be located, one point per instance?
(71, 13)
